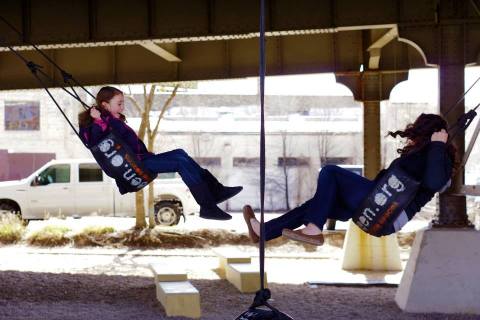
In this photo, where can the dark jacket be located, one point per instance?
(101, 127)
(432, 166)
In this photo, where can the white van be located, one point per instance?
(80, 188)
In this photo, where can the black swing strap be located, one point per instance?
(128, 173)
(67, 77)
(37, 71)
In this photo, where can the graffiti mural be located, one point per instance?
(22, 115)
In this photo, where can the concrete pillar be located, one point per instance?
(442, 274)
(360, 250)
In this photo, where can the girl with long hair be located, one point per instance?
(426, 156)
(107, 115)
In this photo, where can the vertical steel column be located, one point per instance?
(371, 138)
(371, 96)
(452, 212)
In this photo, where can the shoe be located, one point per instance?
(226, 193)
(298, 235)
(208, 207)
(219, 191)
(248, 214)
(214, 213)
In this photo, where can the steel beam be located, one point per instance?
(204, 60)
(452, 211)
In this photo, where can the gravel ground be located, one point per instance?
(100, 283)
(29, 295)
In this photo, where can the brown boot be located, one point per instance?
(298, 235)
(248, 214)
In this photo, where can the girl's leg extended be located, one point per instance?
(176, 161)
(192, 174)
(339, 193)
(290, 220)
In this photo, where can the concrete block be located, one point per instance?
(163, 273)
(362, 251)
(244, 276)
(228, 256)
(179, 298)
(443, 273)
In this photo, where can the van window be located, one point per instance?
(167, 175)
(89, 172)
(59, 173)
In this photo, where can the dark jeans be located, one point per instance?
(176, 161)
(339, 194)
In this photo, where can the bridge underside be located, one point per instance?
(133, 41)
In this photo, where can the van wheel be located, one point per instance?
(7, 207)
(167, 213)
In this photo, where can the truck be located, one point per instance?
(78, 187)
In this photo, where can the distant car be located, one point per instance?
(80, 188)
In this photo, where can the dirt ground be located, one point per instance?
(31, 295)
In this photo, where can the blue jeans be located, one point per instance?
(176, 161)
(339, 194)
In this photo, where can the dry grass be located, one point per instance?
(50, 236)
(159, 238)
(12, 228)
(217, 237)
(155, 238)
(93, 236)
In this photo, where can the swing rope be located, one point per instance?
(67, 77)
(36, 70)
(125, 180)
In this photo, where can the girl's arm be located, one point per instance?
(99, 127)
(98, 130)
(439, 166)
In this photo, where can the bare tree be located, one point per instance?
(145, 129)
(284, 167)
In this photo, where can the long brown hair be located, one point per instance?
(420, 132)
(105, 94)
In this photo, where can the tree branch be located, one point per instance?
(166, 105)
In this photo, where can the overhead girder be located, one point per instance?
(315, 53)
(69, 22)
(127, 41)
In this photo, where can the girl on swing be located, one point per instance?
(107, 113)
(426, 157)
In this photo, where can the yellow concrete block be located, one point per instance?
(364, 252)
(244, 276)
(228, 256)
(164, 273)
(179, 298)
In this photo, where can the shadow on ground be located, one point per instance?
(29, 295)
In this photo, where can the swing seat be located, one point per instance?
(392, 193)
(118, 161)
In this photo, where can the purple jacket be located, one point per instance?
(101, 127)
